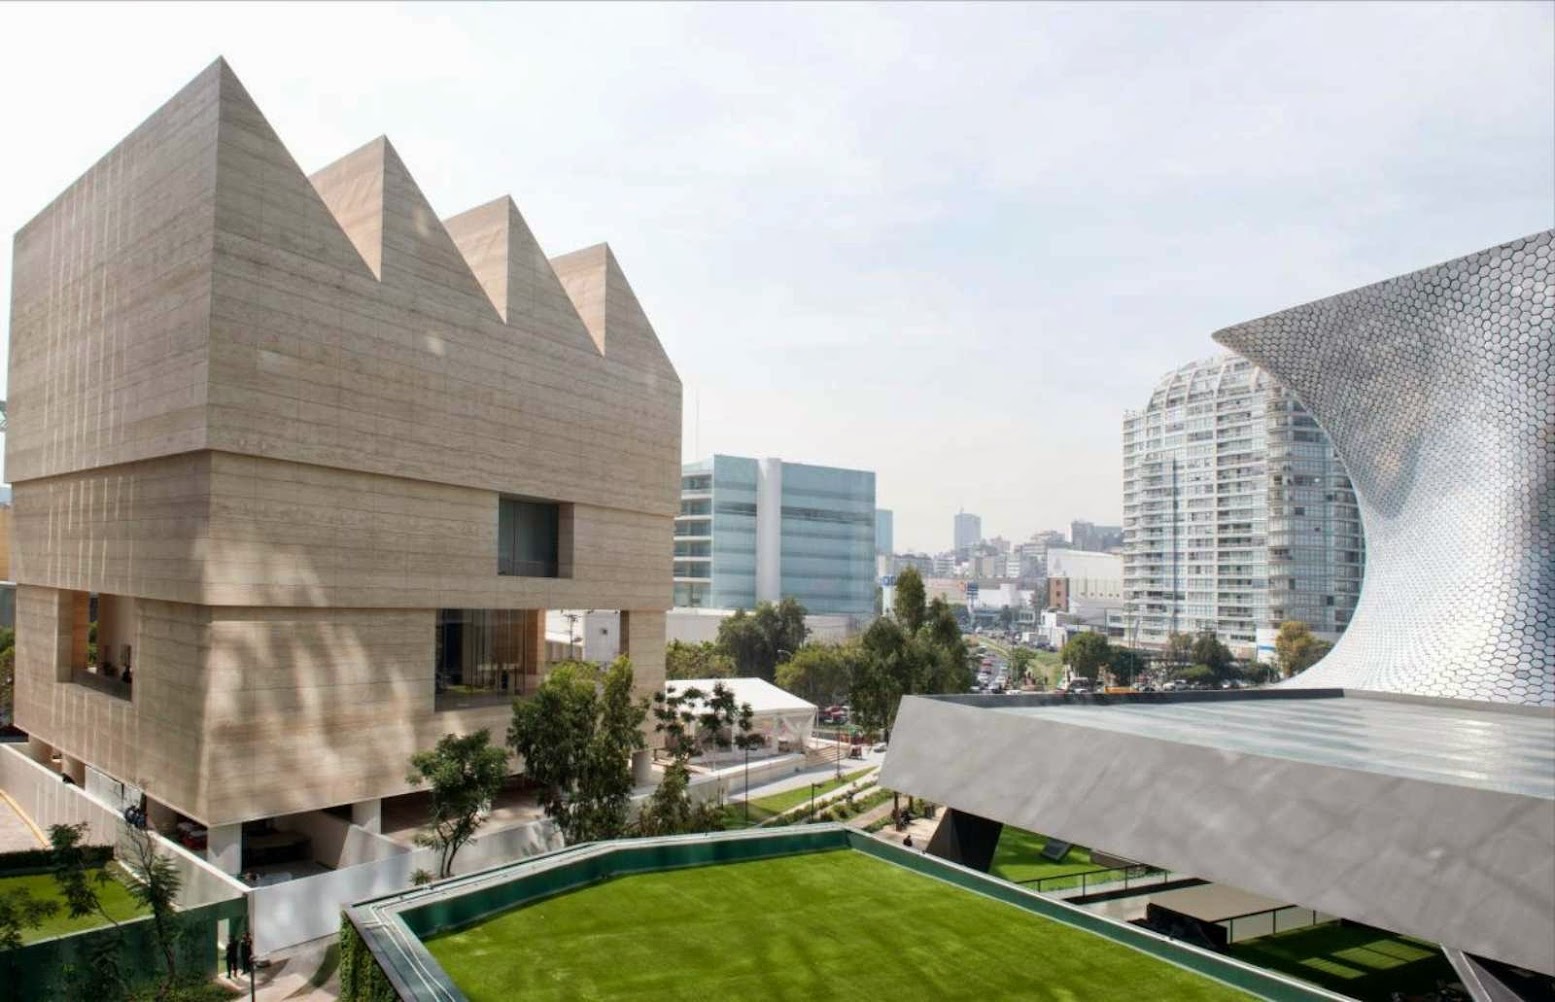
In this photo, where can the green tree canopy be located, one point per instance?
(758, 641)
(576, 735)
(820, 673)
(1126, 664)
(704, 660)
(908, 603)
(1297, 649)
(1086, 654)
(895, 662)
(1020, 663)
(465, 773)
(1179, 649)
(1210, 652)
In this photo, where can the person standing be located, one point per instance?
(232, 957)
(246, 953)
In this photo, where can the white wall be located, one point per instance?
(308, 908)
(39, 792)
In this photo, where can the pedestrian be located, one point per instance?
(232, 957)
(246, 953)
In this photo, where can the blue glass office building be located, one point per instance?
(762, 530)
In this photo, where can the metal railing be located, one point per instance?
(1087, 880)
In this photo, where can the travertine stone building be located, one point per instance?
(316, 462)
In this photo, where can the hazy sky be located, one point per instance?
(949, 243)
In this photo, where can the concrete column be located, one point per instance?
(368, 814)
(40, 752)
(224, 848)
(642, 767)
(769, 530)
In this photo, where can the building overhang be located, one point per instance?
(1430, 817)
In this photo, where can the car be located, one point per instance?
(880, 747)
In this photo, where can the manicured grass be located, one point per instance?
(1018, 857)
(817, 926)
(776, 803)
(116, 901)
(1366, 964)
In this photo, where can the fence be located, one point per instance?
(1090, 881)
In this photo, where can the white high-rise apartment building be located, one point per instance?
(1237, 514)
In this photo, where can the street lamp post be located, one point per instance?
(812, 800)
(747, 783)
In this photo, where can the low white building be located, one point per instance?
(778, 715)
(695, 626)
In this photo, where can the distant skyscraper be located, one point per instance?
(762, 530)
(884, 542)
(1097, 538)
(1237, 514)
(969, 532)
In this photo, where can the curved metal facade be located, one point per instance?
(1437, 389)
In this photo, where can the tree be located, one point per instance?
(690, 719)
(1126, 664)
(1197, 674)
(895, 662)
(1297, 649)
(757, 641)
(156, 890)
(1210, 652)
(908, 604)
(820, 673)
(576, 735)
(704, 660)
(1007, 617)
(603, 798)
(1179, 649)
(78, 880)
(1086, 654)
(464, 774)
(1020, 663)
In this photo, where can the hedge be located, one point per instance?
(35, 860)
(361, 979)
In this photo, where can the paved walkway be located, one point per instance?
(814, 774)
(288, 975)
(16, 829)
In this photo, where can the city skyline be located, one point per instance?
(905, 263)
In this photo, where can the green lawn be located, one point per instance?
(776, 803)
(116, 900)
(817, 926)
(1366, 964)
(1018, 857)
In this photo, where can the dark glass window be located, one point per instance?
(528, 538)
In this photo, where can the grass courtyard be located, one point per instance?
(1363, 963)
(116, 901)
(1018, 858)
(821, 925)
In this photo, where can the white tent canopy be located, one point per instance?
(782, 718)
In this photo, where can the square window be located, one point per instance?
(529, 538)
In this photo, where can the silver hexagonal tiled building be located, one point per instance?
(1437, 389)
